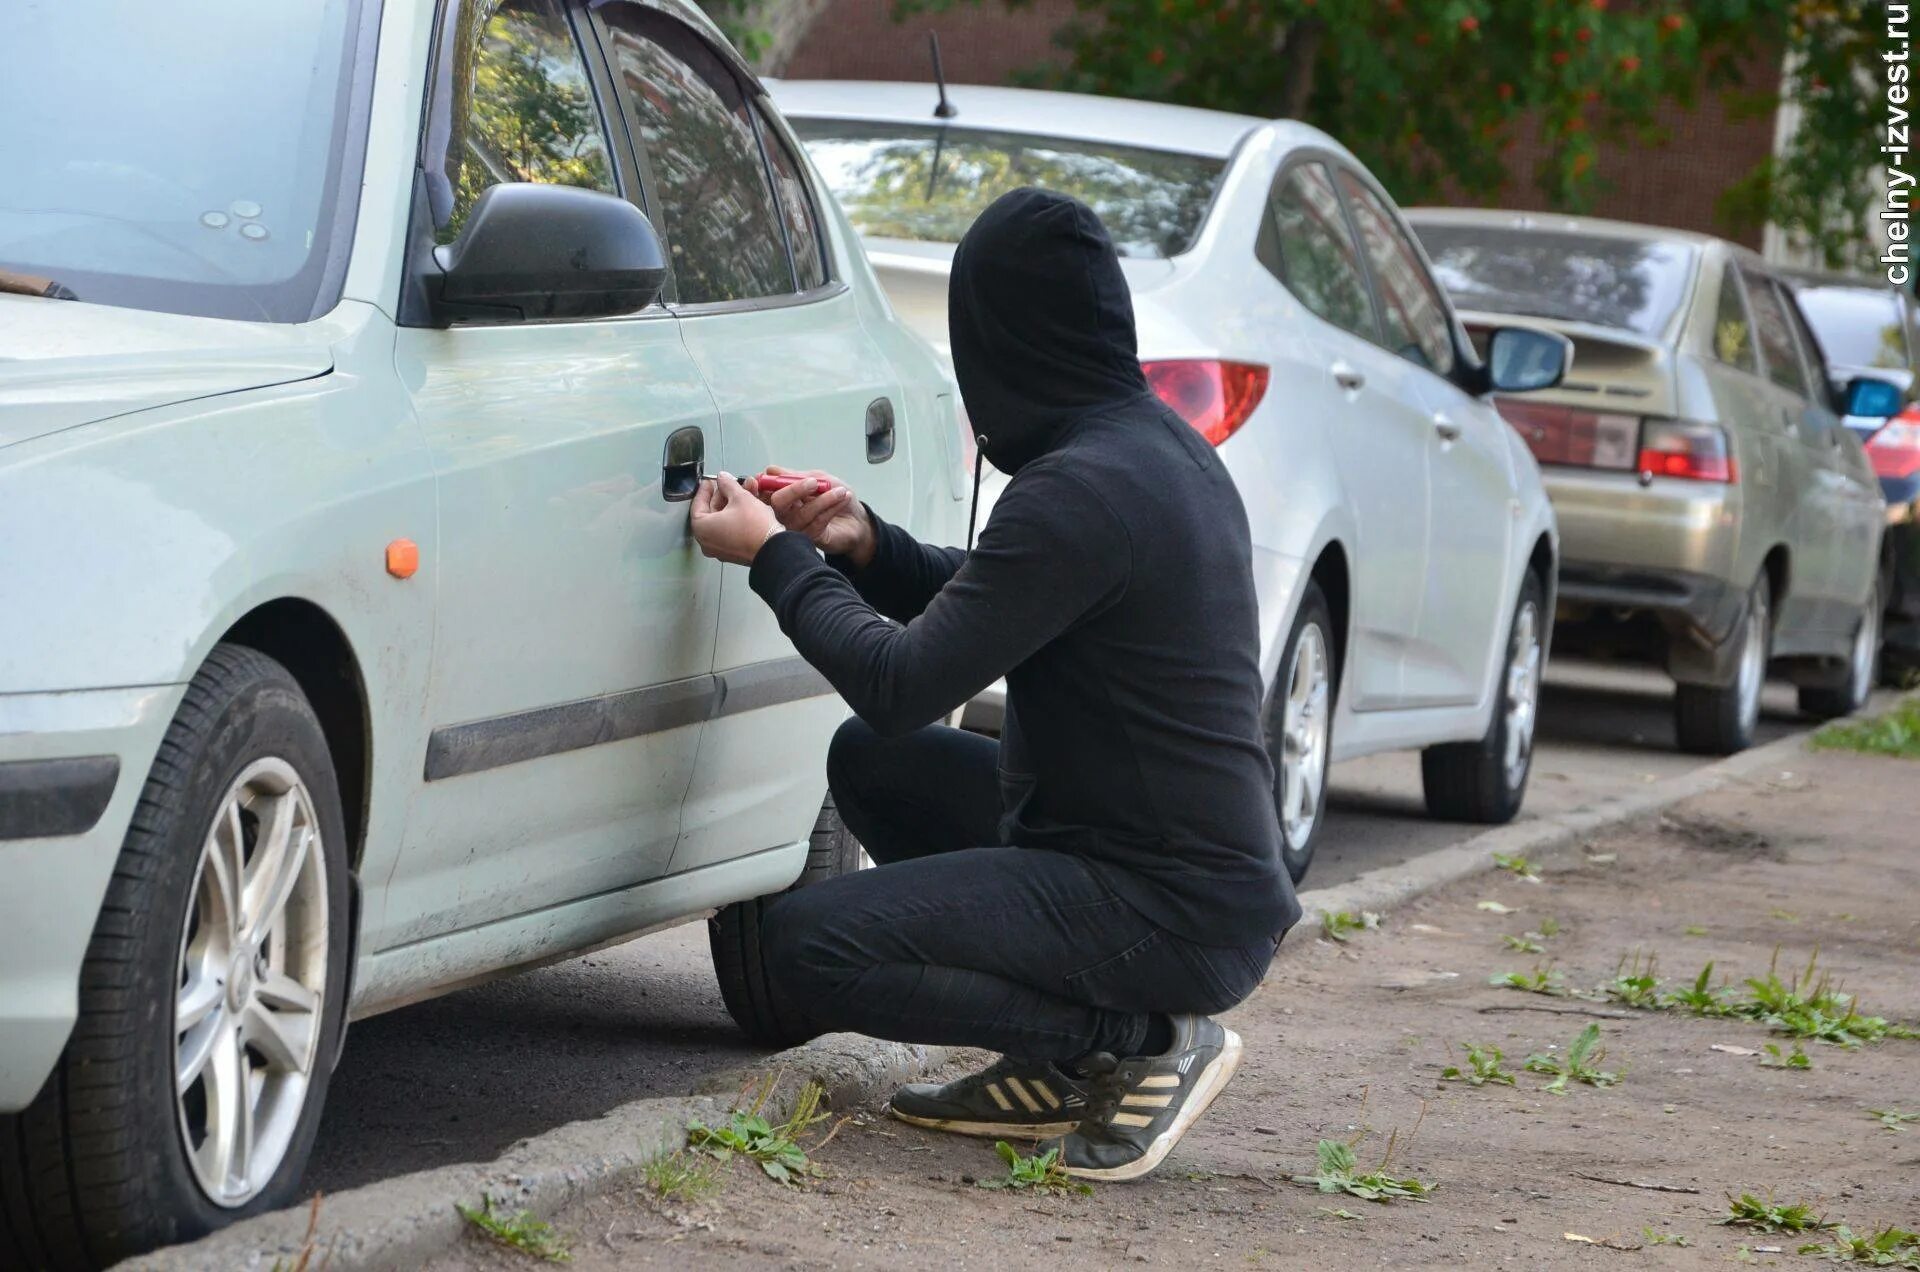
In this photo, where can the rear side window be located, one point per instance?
(1813, 357)
(1776, 338)
(1319, 261)
(1413, 317)
(717, 207)
(796, 208)
(1733, 328)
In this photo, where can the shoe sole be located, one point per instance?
(992, 1130)
(1213, 1079)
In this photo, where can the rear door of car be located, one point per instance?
(779, 338)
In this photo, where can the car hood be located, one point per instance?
(65, 363)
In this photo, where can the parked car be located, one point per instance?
(1403, 548)
(352, 643)
(1868, 328)
(1716, 517)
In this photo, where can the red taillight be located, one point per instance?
(1895, 449)
(1215, 397)
(1558, 434)
(1695, 452)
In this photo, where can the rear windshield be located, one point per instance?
(1633, 284)
(928, 182)
(1857, 326)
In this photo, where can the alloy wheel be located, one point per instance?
(1523, 693)
(252, 983)
(1305, 726)
(1866, 644)
(1753, 661)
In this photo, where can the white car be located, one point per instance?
(1404, 550)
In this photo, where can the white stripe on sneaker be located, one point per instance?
(1020, 1092)
(1206, 1087)
(993, 1089)
(1130, 1119)
(1147, 1101)
(1046, 1093)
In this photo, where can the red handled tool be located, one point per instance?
(768, 483)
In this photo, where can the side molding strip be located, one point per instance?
(47, 798)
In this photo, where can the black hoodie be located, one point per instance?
(1112, 586)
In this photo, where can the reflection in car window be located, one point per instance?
(1413, 317)
(1634, 284)
(929, 182)
(522, 107)
(1858, 326)
(1732, 329)
(1776, 341)
(1812, 356)
(717, 208)
(796, 207)
(1319, 261)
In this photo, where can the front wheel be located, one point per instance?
(1486, 781)
(211, 996)
(734, 936)
(1299, 730)
(1863, 663)
(1721, 719)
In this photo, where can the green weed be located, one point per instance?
(1893, 1119)
(1634, 982)
(1483, 1066)
(1812, 1005)
(1524, 944)
(1693, 929)
(1338, 925)
(1890, 1247)
(517, 1231)
(1548, 929)
(1338, 1173)
(1041, 1173)
(1774, 1060)
(1699, 999)
(1749, 1211)
(1517, 863)
(1581, 1063)
(775, 1148)
(678, 1177)
(1896, 733)
(1666, 1238)
(1541, 980)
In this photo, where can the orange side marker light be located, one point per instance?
(403, 558)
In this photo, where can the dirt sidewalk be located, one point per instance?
(1346, 1038)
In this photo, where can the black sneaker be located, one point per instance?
(1023, 1098)
(1138, 1108)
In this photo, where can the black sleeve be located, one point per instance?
(904, 574)
(1052, 553)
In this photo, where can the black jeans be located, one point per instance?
(1023, 951)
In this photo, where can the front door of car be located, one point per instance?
(1463, 592)
(576, 618)
(797, 381)
(1375, 425)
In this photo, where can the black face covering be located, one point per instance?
(1041, 323)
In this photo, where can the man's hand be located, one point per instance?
(728, 523)
(821, 507)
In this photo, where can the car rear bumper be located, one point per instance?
(1666, 546)
(71, 769)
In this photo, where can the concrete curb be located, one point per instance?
(399, 1224)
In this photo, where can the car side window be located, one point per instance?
(522, 108)
(1317, 257)
(1775, 337)
(717, 210)
(1413, 316)
(796, 208)
(1733, 328)
(1811, 357)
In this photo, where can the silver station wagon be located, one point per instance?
(356, 360)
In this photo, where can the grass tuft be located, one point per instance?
(775, 1148)
(518, 1230)
(678, 1177)
(1580, 1063)
(1518, 864)
(1041, 1173)
(1895, 732)
(1666, 1238)
(1634, 982)
(1699, 999)
(1338, 925)
(1541, 980)
(1893, 1119)
(1774, 1060)
(1890, 1247)
(1483, 1066)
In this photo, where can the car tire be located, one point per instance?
(1299, 729)
(734, 936)
(1486, 781)
(101, 1165)
(1721, 719)
(1863, 669)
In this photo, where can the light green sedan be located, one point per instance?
(357, 358)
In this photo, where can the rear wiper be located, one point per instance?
(32, 285)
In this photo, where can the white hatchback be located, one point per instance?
(1404, 550)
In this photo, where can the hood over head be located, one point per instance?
(1041, 323)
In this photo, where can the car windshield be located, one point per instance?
(179, 157)
(1632, 284)
(1857, 326)
(928, 182)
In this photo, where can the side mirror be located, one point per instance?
(548, 251)
(1522, 359)
(1871, 398)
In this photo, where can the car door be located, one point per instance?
(1463, 592)
(1373, 420)
(571, 672)
(797, 381)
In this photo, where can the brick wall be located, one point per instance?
(1675, 184)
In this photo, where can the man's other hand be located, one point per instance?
(728, 523)
(823, 508)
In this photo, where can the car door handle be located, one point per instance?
(682, 463)
(1443, 425)
(1346, 375)
(879, 431)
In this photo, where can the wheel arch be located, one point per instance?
(1778, 563)
(1332, 571)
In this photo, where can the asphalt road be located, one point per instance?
(461, 1078)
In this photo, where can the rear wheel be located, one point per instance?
(211, 995)
(1863, 662)
(1720, 719)
(734, 936)
(1299, 730)
(1486, 781)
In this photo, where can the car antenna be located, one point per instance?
(946, 109)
